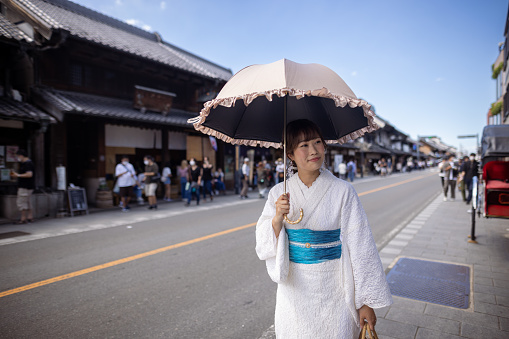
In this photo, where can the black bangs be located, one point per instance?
(301, 130)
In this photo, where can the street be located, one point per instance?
(169, 277)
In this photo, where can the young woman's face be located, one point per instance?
(309, 154)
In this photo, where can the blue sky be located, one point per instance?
(425, 65)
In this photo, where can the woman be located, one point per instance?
(320, 295)
(261, 179)
(207, 178)
(219, 181)
(166, 179)
(195, 181)
(183, 172)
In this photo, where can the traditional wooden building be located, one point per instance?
(100, 88)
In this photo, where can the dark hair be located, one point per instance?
(149, 157)
(167, 164)
(301, 130)
(22, 152)
(124, 157)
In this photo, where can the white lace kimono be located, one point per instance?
(321, 300)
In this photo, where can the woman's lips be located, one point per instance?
(315, 159)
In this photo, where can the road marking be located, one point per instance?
(121, 261)
(394, 185)
(161, 250)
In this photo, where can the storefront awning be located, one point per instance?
(60, 103)
(11, 109)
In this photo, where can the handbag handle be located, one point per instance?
(366, 331)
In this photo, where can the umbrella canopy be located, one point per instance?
(309, 91)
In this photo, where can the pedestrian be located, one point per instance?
(342, 170)
(152, 177)
(219, 181)
(383, 167)
(450, 175)
(351, 168)
(194, 176)
(126, 179)
(464, 167)
(473, 171)
(389, 166)
(245, 179)
(166, 179)
(26, 186)
(280, 170)
(327, 267)
(441, 166)
(183, 172)
(261, 180)
(207, 178)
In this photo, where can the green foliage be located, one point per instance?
(496, 107)
(496, 70)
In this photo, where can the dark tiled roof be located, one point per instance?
(349, 145)
(14, 110)
(98, 106)
(374, 148)
(11, 31)
(87, 24)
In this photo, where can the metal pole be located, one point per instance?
(284, 139)
(475, 192)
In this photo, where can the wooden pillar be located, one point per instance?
(101, 150)
(38, 157)
(165, 145)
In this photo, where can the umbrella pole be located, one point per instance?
(284, 162)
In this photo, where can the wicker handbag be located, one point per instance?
(367, 333)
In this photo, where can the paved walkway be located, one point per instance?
(439, 233)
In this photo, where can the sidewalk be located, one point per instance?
(439, 234)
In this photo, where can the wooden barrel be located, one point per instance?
(104, 199)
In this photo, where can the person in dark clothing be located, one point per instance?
(195, 180)
(207, 178)
(464, 167)
(26, 186)
(469, 175)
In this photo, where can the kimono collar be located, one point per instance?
(310, 200)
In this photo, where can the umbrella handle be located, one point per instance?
(296, 221)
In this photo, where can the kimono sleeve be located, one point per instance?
(269, 248)
(370, 284)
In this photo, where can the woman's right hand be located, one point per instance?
(282, 208)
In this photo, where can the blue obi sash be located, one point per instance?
(312, 247)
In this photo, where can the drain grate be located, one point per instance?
(434, 282)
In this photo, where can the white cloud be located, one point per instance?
(138, 23)
(354, 73)
(439, 79)
(163, 5)
(118, 2)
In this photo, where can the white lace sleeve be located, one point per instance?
(269, 248)
(370, 283)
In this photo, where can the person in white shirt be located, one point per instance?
(280, 170)
(342, 170)
(245, 178)
(166, 180)
(125, 174)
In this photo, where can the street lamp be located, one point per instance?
(468, 136)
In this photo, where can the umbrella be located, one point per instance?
(255, 105)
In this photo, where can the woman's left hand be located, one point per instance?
(366, 312)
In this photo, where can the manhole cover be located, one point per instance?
(434, 282)
(8, 235)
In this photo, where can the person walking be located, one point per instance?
(464, 167)
(195, 178)
(450, 175)
(351, 168)
(280, 171)
(126, 179)
(152, 177)
(261, 179)
(245, 179)
(166, 179)
(473, 171)
(328, 272)
(183, 172)
(207, 178)
(26, 186)
(342, 170)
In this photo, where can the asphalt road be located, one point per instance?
(190, 282)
